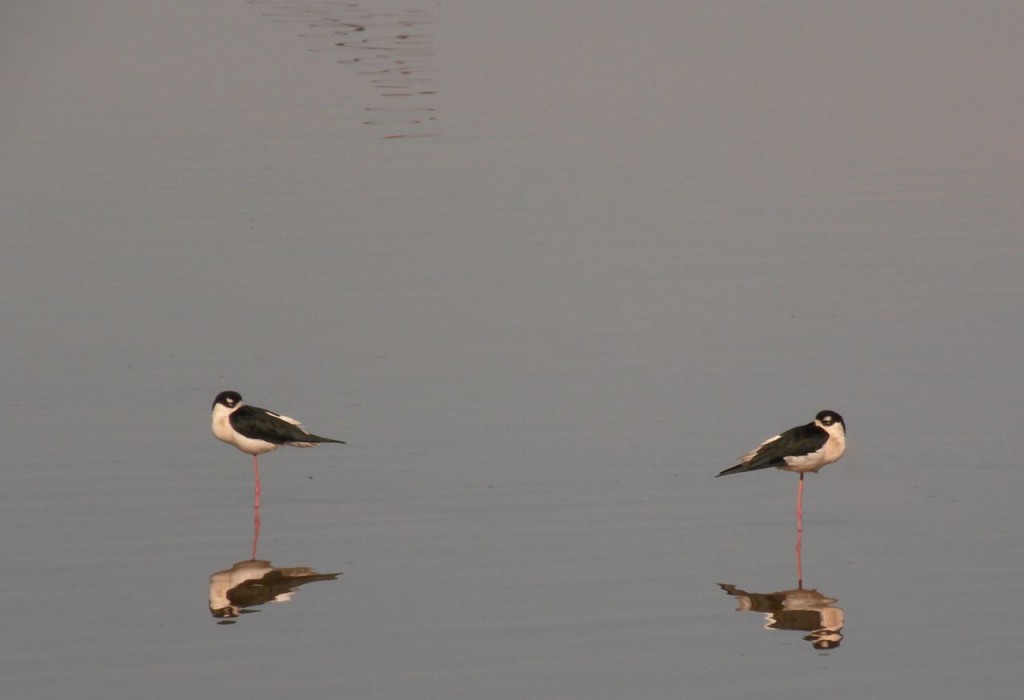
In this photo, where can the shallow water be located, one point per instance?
(547, 270)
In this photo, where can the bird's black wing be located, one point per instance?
(795, 442)
(261, 424)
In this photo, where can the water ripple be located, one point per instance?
(393, 50)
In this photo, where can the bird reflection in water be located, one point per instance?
(798, 610)
(254, 582)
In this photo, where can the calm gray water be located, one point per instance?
(547, 268)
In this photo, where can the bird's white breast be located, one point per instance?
(221, 425)
(836, 445)
(223, 431)
(830, 452)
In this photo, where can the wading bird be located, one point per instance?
(256, 431)
(805, 448)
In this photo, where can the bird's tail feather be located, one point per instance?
(743, 468)
(313, 441)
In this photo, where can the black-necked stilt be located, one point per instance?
(256, 431)
(805, 448)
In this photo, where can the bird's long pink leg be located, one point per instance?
(800, 505)
(256, 473)
(799, 532)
